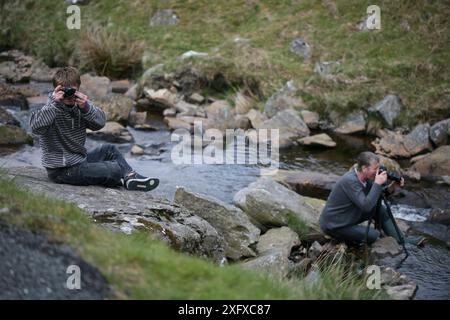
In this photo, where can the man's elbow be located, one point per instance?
(97, 125)
(101, 123)
(101, 120)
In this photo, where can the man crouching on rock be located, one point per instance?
(354, 199)
(61, 126)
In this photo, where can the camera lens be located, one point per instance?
(69, 92)
(391, 175)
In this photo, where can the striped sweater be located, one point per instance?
(62, 131)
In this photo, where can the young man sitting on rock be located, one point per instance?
(61, 126)
(354, 199)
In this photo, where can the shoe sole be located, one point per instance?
(142, 184)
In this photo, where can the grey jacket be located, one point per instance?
(62, 131)
(349, 203)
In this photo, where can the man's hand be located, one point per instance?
(396, 184)
(81, 99)
(58, 94)
(381, 178)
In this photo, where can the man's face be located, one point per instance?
(71, 100)
(371, 171)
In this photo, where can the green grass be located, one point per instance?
(139, 267)
(337, 279)
(297, 225)
(412, 63)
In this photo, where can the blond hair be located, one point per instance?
(66, 76)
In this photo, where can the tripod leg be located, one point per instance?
(388, 226)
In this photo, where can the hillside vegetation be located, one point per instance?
(408, 56)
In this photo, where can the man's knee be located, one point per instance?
(105, 173)
(355, 234)
(109, 147)
(110, 151)
(373, 235)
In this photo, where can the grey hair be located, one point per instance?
(366, 158)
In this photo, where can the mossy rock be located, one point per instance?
(13, 135)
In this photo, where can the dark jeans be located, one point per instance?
(357, 233)
(103, 166)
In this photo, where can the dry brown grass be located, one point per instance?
(110, 53)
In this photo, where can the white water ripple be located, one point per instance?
(410, 213)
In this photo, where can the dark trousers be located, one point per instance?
(357, 233)
(103, 166)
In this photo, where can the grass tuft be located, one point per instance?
(109, 53)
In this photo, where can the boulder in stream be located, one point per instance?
(231, 222)
(270, 204)
(111, 132)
